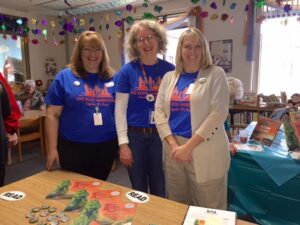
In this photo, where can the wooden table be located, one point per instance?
(157, 211)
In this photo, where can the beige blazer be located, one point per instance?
(209, 104)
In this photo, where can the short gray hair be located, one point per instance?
(30, 83)
(131, 43)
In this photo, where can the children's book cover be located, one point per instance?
(265, 130)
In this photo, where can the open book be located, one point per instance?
(206, 216)
(265, 130)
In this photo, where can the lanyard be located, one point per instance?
(149, 97)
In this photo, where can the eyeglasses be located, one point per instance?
(92, 50)
(149, 37)
(190, 48)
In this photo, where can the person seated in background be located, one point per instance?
(31, 99)
(236, 92)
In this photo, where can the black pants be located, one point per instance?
(2, 174)
(94, 160)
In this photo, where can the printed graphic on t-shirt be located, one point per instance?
(180, 100)
(143, 89)
(95, 96)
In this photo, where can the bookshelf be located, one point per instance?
(242, 115)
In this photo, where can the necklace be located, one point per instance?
(149, 97)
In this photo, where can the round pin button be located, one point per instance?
(76, 83)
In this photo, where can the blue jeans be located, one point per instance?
(147, 172)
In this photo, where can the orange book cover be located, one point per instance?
(295, 122)
(265, 130)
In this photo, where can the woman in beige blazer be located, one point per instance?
(190, 110)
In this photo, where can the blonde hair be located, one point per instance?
(206, 60)
(96, 41)
(131, 43)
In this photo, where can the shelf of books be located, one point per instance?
(242, 115)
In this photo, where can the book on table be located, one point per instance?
(206, 216)
(292, 133)
(265, 130)
(249, 147)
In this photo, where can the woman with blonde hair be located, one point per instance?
(190, 110)
(80, 111)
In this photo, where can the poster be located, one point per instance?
(221, 53)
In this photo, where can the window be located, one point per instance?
(279, 57)
(12, 55)
(173, 37)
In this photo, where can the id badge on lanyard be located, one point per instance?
(97, 117)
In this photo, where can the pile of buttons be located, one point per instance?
(45, 215)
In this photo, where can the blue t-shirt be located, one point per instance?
(180, 117)
(80, 98)
(131, 80)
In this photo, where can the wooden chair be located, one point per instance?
(30, 129)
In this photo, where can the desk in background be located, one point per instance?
(266, 185)
(157, 211)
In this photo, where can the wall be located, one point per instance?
(39, 53)
(213, 29)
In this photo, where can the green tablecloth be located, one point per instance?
(252, 191)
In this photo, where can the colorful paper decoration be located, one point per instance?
(214, 17)
(68, 27)
(34, 22)
(44, 22)
(52, 24)
(194, 1)
(148, 16)
(129, 8)
(158, 8)
(119, 23)
(287, 8)
(233, 5)
(260, 3)
(146, 3)
(204, 14)
(224, 17)
(14, 37)
(119, 33)
(81, 22)
(118, 13)
(213, 5)
(35, 41)
(19, 21)
(129, 20)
